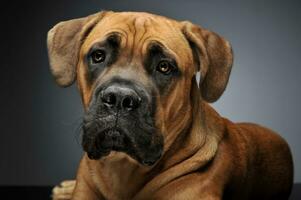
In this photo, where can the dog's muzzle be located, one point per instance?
(121, 118)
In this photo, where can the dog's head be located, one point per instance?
(135, 73)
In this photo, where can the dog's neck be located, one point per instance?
(193, 147)
(118, 176)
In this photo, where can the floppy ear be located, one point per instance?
(64, 41)
(213, 57)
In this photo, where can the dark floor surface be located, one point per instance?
(44, 192)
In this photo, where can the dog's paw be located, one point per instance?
(64, 190)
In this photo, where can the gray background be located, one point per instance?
(39, 137)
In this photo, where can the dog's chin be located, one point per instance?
(104, 142)
(116, 140)
(144, 162)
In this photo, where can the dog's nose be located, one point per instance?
(117, 97)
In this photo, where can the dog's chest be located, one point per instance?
(118, 176)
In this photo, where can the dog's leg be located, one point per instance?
(64, 190)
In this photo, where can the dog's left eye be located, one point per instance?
(98, 56)
(164, 67)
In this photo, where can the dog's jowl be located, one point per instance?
(148, 129)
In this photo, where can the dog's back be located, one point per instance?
(267, 162)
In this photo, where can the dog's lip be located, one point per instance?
(113, 131)
(117, 136)
(100, 150)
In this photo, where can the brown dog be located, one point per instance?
(148, 130)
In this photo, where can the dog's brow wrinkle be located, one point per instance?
(117, 31)
(144, 31)
(129, 27)
(134, 36)
(120, 32)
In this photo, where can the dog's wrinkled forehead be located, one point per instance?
(137, 32)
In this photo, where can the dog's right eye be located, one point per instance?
(98, 56)
(164, 67)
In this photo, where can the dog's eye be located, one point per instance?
(98, 56)
(164, 67)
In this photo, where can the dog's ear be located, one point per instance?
(64, 41)
(213, 57)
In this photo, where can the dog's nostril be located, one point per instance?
(128, 103)
(109, 99)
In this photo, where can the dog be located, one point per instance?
(149, 131)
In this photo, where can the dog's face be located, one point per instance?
(135, 73)
(130, 66)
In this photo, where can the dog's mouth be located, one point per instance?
(106, 141)
(145, 147)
